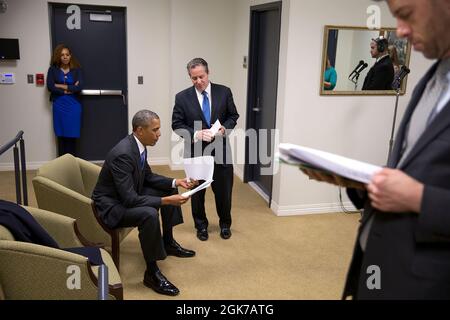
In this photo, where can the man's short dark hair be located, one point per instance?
(142, 118)
(197, 62)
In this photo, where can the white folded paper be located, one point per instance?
(215, 127)
(199, 168)
(204, 185)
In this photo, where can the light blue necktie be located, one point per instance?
(206, 108)
(143, 158)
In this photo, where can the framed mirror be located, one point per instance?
(362, 61)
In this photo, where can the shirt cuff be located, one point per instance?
(174, 183)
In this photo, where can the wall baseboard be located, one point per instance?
(310, 208)
(258, 190)
(162, 161)
(238, 172)
(29, 165)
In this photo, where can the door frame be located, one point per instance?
(251, 83)
(106, 91)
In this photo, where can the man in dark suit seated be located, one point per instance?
(196, 109)
(381, 75)
(129, 194)
(402, 250)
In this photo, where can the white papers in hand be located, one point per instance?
(204, 185)
(215, 127)
(346, 167)
(199, 168)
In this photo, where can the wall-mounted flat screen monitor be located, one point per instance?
(9, 49)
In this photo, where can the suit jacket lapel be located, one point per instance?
(194, 102)
(214, 103)
(398, 145)
(441, 122)
(135, 150)
(139, 178)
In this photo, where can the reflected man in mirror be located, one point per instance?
(381, 75)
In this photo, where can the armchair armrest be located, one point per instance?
(89, 175)
(60, 227)
(57, 198)
(30, 271)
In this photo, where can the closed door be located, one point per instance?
(262, 95)
(98, 40)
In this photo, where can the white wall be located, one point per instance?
(201, 28)
(344, 60)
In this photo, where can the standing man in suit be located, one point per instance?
(381, 75)
(196, 109)
(402, 250)
(129, 194)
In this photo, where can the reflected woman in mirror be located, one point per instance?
(394, 57)
(330, 77)
(381, 75)
(64, 81)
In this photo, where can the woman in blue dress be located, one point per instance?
(64, 81)
(330, 77)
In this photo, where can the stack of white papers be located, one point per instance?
(342, 166)
(199, 168)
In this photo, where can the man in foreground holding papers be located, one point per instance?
(200, 116)
(405, 228)
(129, 194)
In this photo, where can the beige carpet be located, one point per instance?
(267, 257)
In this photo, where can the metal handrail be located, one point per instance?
(17, 168)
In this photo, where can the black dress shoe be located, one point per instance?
(202, 234)
(225, 233)
(158, 282)
(174, 249)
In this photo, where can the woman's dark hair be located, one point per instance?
(56, 57)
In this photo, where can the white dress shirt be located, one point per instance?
(142, 148)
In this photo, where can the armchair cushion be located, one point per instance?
(24, 227)
(5, 234)
(65, 171)
(31, 271)
(65, 185)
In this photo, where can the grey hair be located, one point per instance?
(142, 118)
(197, 62)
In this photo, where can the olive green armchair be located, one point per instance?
(35, 272)
(65, 185)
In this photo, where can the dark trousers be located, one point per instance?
(67, 145)
(147, 221)
(222, 187)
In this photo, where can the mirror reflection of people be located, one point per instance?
(394, 57)
(329, 77)
(404, 235)
(64, 81)
(381, 75)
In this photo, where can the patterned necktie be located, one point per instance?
(143, 158)
(206, 108)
